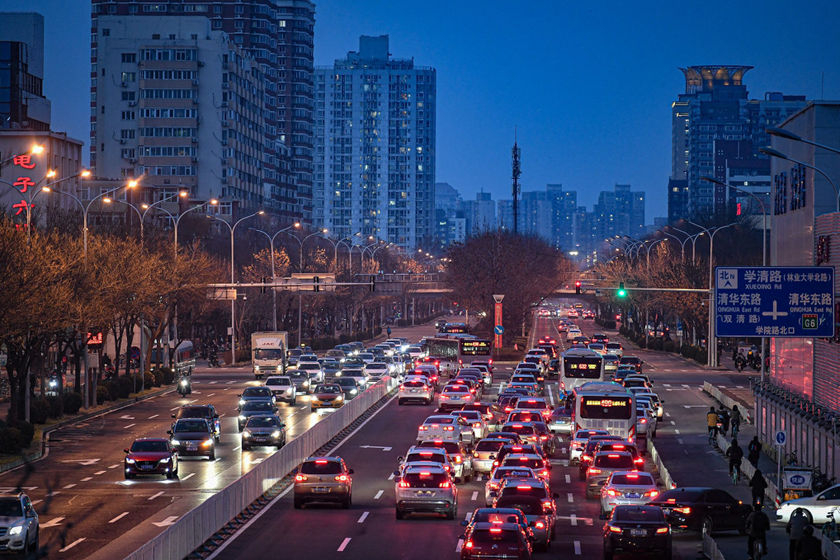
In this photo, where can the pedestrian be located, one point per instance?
(809, 547)
(830, 529)
(758, 485)
(736, 420)
(735, 454)
(756, 527)
(796, 529)
(754, 451)
(388, 330)
(711, 422)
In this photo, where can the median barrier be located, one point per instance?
(830, 549)
(710, 548)
(664, 473)
(195, 527)
(727, 401)
(771, 493)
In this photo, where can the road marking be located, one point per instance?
(391, 476)
(129, 426)
(570, 497)
(666, 384)
(363, 517)
(573, 519)
(211, 394)
(158, 495)
(568, 479)
(563, 450)
(672, 422)
(114, 466)
(378, 494)
(475, 495)
(55, 522)
(69, 486)
(668, 414)
(166, 522)
(577, 548)
(213, 382)
(85, 479)
(686, 386)
(236, 448)
(36, 502)
(97, 473)
(343, 544)
(176, 408)
(739, 386)
(53, 493)
(126, 417)
(676, 431)
(153, 416)
(467, 516)
(120, 516)
(230, 382)
(189, 476)
(680, 440)
(71, 545)
(460, 545)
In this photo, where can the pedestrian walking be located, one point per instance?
(796, 529)
(758, 485)
(754, 451)
(756, 527)
(809, 547)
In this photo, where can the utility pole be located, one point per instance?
(516, 173)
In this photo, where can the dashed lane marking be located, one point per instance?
(568, 479)
(363, 517)
(72, 544)
(158, 495)
(129, 426)
(69, 486)
(344, 544)
(573, 519)
(97, 473)
(570, 497)
(120, 516)
(475, 495)
(577, 548)
(378, 494)
(460, 545)
(153, 416)
(85, 479)
(391, 476)
(114, 466)
(192, 474)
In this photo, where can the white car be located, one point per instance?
(475, 420)
(615, 348)
(491, 487)
(627, 488)
(313, 370)
(578, 443)
(816, 507)
(447, 428)
(416, 388)
(573, 334)
(375, 370)
(282, 388)
(655, 402)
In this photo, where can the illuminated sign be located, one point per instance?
(476, 347)
(94, 338)
(607, 403)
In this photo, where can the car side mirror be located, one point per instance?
(400, 459)
(126, 450)
(169, 432)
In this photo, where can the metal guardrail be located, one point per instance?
(195, 527)
(727, 401)
(664, 473)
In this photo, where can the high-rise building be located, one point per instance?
(480, 214)
(563, 205)
(620, 212)
(22, 101)
(375, 146)
(279, 36)
(715, 106)
(447, 197)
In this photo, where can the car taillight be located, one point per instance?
(468, 544)
(445, 484)
(448, 429)
(585, 458)
(652, 493)
(459, 459)
(404, 484)
(494, 485)
(663, 530)
(593, 470)
(443, 397)
(423, 428)
(543, 438)
(467, 397)
(615, 529)
(508, 409)
(341, 478)
(300, 478)
(539, 525)
(611, 492)
(476, 424)
(685, 510)
(643, 420)
(495, 463)
(639, 461)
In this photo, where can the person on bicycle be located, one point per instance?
(735, 454)
(723, 419)
(758, 485)
(809, 547)
(756, 527)
(736, 420)
(754, 451)
(711, 422)
(796, 529)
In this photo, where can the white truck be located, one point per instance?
(268, 353)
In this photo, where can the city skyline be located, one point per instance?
(593, 98)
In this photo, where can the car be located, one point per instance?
(312, 370)
(263, 431)
(622, 372)
(19, 524)
(433, 455)
(634, 361)
(615, 348)
(600, 337)
(627, 488)
(500, 515)
(527, 389)
(572, 334)
(631, 448)
(539, 464)
(150, 456)
(597, 347)
(323, 479)
(376, 370)
(459, 458)
(705, 510)
(498, 476)
(367, 357)
(644, 427)
(512, 448)
(357, 374)
(534, 499)
(535, 403)
(254, 409)
(256, 394)
(415, 388)
(496, 540)
(527, 432)
(300, 380)
(294, 356)
(193, 436)
(509, 437)
(491, 413)
(282, 388)
(611, 364)
(349, 386)
(655, 401)
(330, 366)
(475, 420)
(445, 427)
(522, 415)
(326, 395)
(425, 489)
(637, 530)
(817, 508)
(206, 411)
(560, 421)
(578, 443)
(484, 454)
(454, 396)
(604, 463)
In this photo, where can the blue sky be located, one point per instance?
(588, 85)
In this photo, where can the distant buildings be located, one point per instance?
(716, 131)
(375, 147)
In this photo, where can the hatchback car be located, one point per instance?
(459, 458)
(532, 496)
(540, 465)
(376, 370)
(263, 431)
(500, 474)
(282, 388)
(500, 515)
(425, 489)
(349, 387)
(484, 455)
(627, 488)
(496, 540)
(326, 395)
(633, 361)
(19, 525)
(637, 530)
(323, 479)
(454, 396)
(193, 436)
(425, 455)
(446, 427)
(560, 421)
(415, 388)
(703, 509)
(150, 456)
(603, 465)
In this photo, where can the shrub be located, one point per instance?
(124, 385)
(39, 411)
(167, 375)
(149, 380)
(668, 346)
(103, 394)
(10, 440)
(701, 356)
(56, 405)
(27, 432)
(656, 344)
(72, 402)
(609, 324)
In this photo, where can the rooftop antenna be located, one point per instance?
(517, 171)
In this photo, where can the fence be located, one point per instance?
(190, 531)
(727, 401)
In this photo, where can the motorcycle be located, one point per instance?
(213, 361)
(740, 362)
(184, 387)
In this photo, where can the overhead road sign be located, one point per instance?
(778, 301)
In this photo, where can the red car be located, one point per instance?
(151, 456)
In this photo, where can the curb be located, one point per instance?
(45, 434)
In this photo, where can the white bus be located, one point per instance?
(579, 366)
(605, 406)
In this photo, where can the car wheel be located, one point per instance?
(607, 554)
(245, 447)
(708, 526)
(399, 514)
(400, 402)
(347, 502)
(128, 476)
(451, 513)
(298, 503)
(294, 400)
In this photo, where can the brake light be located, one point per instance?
(424, 474)
(320, 461)
(426, 453)
(494, 485)
(508, 409)
(448, 429)
(546, 504)
(467, 397)
(458, 459)
(523, 458)
(495, 530)
(662, 530)
(443, 397)
(300, 478)
(634, 476)
(538, 525)
(476, 424)
(543, 438)
(585, 458)
(404, 484)
(612, 492)
(685, 510)
(671, 500)
(468, 544)
(445, 484)
(495, 463)
(643, 420)
(544, 473)
(423, 428)
(613, 456)
(341, 478)
(652, 493)
(615, 529)
(639, 461)
(593, 470)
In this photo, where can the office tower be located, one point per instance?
(563, 205)
(447, 197)
(620, 212)
(278, 35)
(375, 146)
(22, 101)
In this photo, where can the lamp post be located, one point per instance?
(147, 207)
(693, 239)
(711, 344)
(680, 241)
(649, 247)
(777, 154)
(788, 135)
(300, 269)
(271, 239)
(31, 196)
(35, 150)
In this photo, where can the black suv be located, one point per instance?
(206, 411)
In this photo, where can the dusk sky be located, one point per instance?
(589, 85)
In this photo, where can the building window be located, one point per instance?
(128, 76)
(129, 95)
(127, 115)
(129, 58)
(127, 153)
(106, 32)
(127, 134)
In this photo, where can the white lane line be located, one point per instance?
(475, 495)
(363, 517)
(85, 479)
(71, 545)
(158, 495)
(577, 548)
(680, 440)
(213, 382)
(183, 478)
(570, 497)
(739, 386)
(391, 476)
(666, 384)
(378, 494)
(229, 382)
(129, 426)
(573, 519)
(668, 414)
(36, 502)
(568, 479)
(69, 486)
(97, 473)
(120, 516)
(467, 516)
(676, 431)
(176, 408)
(460, 545)
(54, 493)
(114, 466)
(686, 386)
(343, 544)
(236, 448)
(211, 394)
(672, 422)
(153, 416)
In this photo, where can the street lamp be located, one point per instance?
(788, 135)
(273, 276)
(680, 241)
(31, 196)
(232, 229)
(693, 239)
(35, 150)
(777, 154)
(211, 202)
(763, 213)
(300, 269)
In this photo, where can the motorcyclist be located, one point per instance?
(184, 386)
(740, 362)
(757, 526)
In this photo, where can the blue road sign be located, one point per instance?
(776, 301)
(499, 330)
(781, 437)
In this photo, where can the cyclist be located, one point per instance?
(736, 420)
(758, 486)
(796, 529)
(723, 420)
(735, 454)
(757, 526)
(711, 422)
(754, 451)
(809, 547)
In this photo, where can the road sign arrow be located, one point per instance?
(375, 447)
(54, 522)
(166, 522)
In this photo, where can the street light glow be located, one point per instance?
(85, 173)
(45, 189)
(260, 212)
(50, 173)
(297, 225)
(132, 183)
(106, 199)
(213, 201)
(183, 194)
(37, 149)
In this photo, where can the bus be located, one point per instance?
(579, 366)
(605, 406)
(474, 349)
(455, 328)
(444, 352)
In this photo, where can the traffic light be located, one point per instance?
(621, 291)
(262, 289)
(577, 287)
(316, 282)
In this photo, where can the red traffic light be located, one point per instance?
(577, 284)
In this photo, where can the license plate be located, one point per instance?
(425, 492)
(192, 446)
(260, 439)
(320, 490)
(413, 390)
(146, 467)
(631, 495)
(637, 532)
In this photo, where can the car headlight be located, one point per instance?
(275, 434)
(353, 391)
(340, 398)
(242, 418)
(246, 433)
(17, 530)
(241, 402)
(165, 460)
(175, 442)
(289, 390)
(129, 460)
(256, 368)
(314, 399)
(306, 383)
(207, 443)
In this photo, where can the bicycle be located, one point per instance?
(735, 474)
(759, 549)
(735, 429)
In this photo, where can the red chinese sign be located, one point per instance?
(23, 183)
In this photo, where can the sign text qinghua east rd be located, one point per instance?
(774, 301)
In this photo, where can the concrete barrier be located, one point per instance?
(664, 473)
(195, 527)
(771, 493)
(830, 550)
(710, 548)
(728, 402)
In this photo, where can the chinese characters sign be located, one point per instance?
(23, 182)
(774, 301)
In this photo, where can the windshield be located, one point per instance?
(612, 408)
(346, 382)
(261, 422)
(194, 412)
(493, 536)
(257, 407)
(10, 507)
(320, 466)
(489, 445)
(327, 389)
(582, 368)
(278, 381)
(309, 366)
(191, 426)
(268, 354)
(414, 384)
(529, 505)
(440, 420)
(457, 389)
(531, 463)
(614, 461)
(149, 446)
(425, 480)
(638, 514)
(425, 456)
(259, 392)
